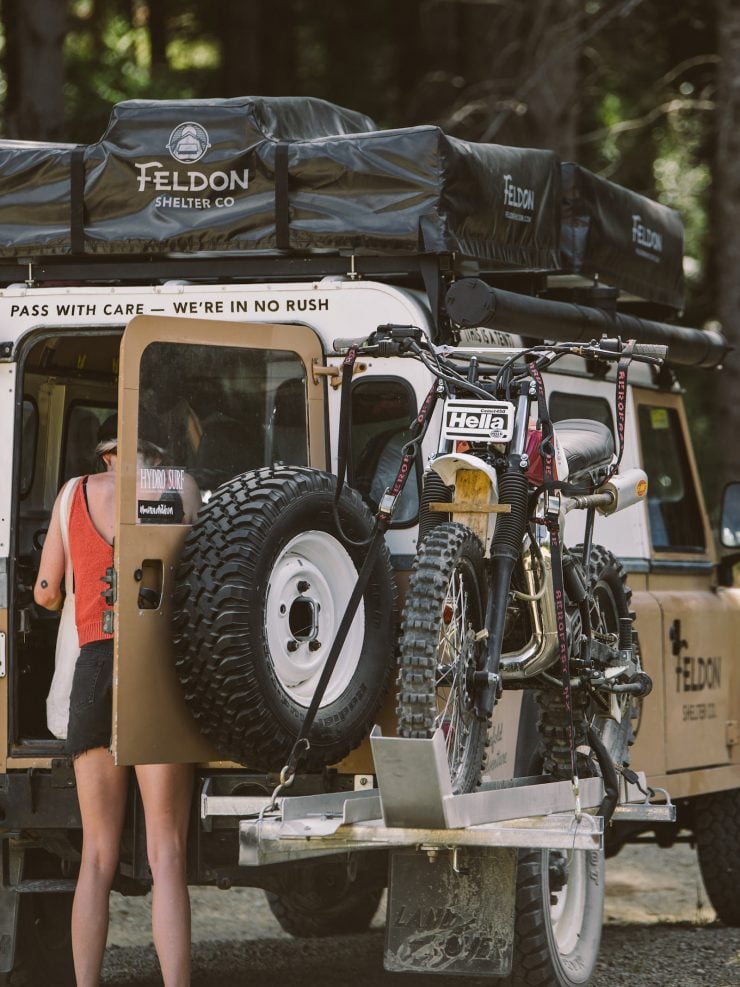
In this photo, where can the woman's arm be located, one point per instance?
(48, 589)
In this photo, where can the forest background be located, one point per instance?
(643, 92)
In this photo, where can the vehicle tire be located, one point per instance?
(717, 834)
(261, 588)
(324, 901)
(43, 949)
(445, 608)
(559, 914)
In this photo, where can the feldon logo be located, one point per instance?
(519, 200)
(188, 142)
(514, 195)
(648, 243)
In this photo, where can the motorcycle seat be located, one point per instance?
(586, 444)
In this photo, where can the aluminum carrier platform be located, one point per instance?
(413, 806)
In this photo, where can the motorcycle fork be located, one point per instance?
(506, 547)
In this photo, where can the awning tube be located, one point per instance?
(473, 303)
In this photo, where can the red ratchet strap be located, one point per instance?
(621, 399)
(552, 521)
(418, 428)
(383, 519)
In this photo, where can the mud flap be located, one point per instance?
(8, 927)
(451, 912)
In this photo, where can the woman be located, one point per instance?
(102, 786)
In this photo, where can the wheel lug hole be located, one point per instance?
(314, 645)
(292, 645)
(283, 609)
(303, 586)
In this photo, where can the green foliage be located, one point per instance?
(108, 59)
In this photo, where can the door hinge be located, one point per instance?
(110, 596)
(731, 734)
(333, 374)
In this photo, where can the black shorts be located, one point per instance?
(91, 702)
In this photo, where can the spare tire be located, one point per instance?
(262, 585)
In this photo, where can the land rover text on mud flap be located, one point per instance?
(307, 303)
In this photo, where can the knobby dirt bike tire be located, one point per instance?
(241, 617)
(445, 607)
(609, 584)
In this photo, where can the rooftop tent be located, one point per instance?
(284, 173)
(621, 238)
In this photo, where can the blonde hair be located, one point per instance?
(145, 449)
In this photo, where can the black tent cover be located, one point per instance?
(301, 174)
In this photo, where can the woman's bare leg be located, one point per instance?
(166, 791)
(101, 790)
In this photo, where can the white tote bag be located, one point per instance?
(68, 645)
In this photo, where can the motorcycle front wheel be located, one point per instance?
(445, 610)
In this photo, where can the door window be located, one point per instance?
(382, 412)
(218, 411)
(563, 405)
(673, 507)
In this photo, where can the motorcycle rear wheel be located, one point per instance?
(445, 609)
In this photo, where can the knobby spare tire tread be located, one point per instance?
(223, 659)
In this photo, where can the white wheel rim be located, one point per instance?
(568, 908)
(310, 584)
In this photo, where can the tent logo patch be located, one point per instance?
(188, 142)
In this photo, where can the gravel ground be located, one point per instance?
(659, 932)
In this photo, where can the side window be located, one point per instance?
(675, 519)
(382, 411)
(223, 410)
(564, 406)
(28, 444)
(81, 437)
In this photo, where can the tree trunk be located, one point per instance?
(35, 68)
(726, 410)
(512, 69)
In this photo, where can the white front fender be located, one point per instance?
(446, 467)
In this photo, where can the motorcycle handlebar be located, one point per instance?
(653, 351)
(387, 342)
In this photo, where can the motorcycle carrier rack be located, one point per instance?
(413, 806)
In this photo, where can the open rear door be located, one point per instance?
(224, 398)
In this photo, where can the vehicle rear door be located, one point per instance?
(228, 397)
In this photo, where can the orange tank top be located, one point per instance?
(91, 556)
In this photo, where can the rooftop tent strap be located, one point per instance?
(472, 303)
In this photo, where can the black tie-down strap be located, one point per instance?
(382, 523)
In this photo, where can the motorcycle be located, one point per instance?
(496, 600)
